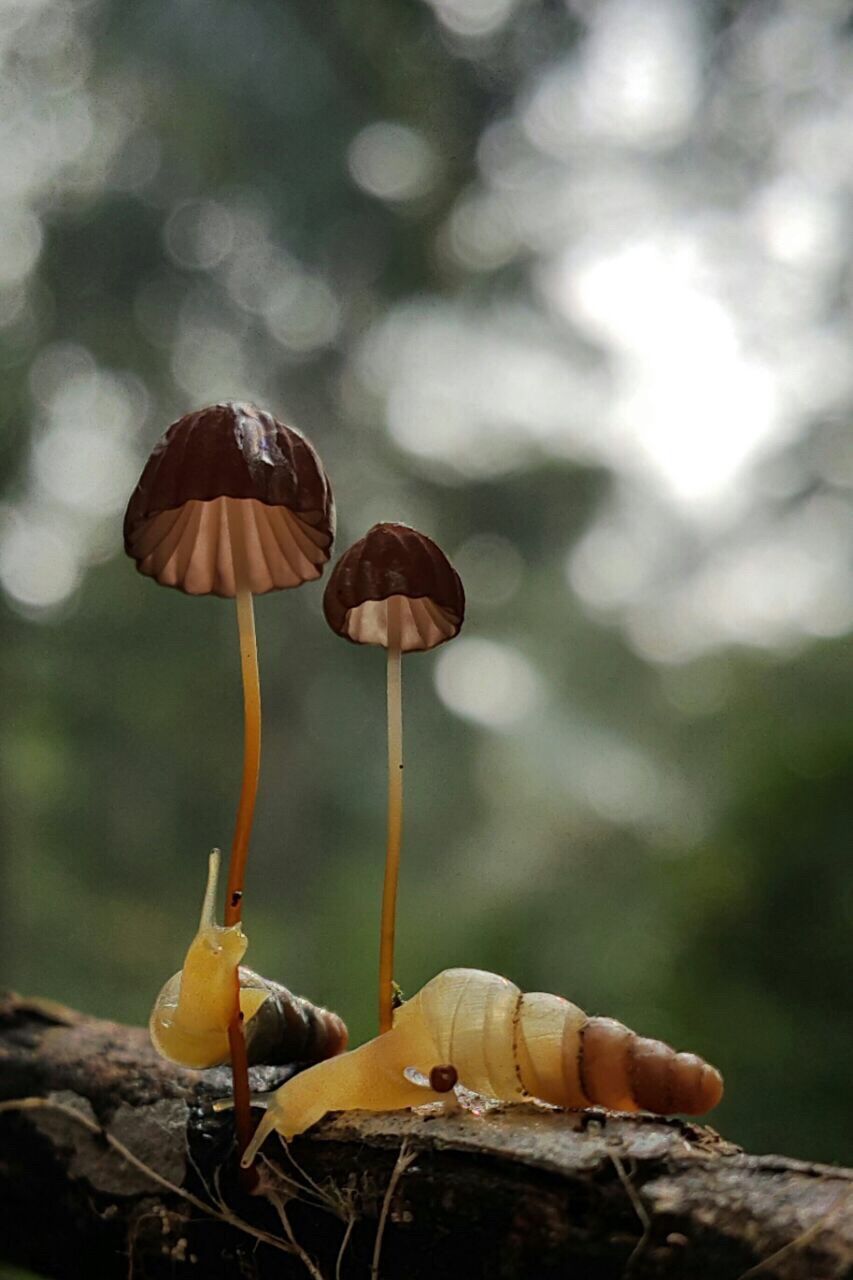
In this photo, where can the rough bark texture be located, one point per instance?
(498, 1192)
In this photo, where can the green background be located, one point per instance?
(654, 822)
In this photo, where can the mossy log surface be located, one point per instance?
(482, 1191)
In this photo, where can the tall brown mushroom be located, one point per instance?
(233, 503)
(394, 588)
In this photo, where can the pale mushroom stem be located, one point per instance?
(395, 815)
(246, 808)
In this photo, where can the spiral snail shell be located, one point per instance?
(189, 1021)
(501, 1042)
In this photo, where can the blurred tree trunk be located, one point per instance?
(122, 1168)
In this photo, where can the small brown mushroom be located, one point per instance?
(394, 588)
(230, 500)
(233, 503)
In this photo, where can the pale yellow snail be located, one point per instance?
(191, 1015)
(503, 1043)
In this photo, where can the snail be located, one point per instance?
(498, 1041)
(189, 1021)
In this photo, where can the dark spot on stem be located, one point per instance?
(585, 1089)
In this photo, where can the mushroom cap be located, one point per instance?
(228, 462)
(395, 561)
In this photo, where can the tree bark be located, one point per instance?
(123, 1168)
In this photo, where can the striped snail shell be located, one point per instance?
(289, 1028)
(514, 1045)
(503, 1043)
(189, 1021)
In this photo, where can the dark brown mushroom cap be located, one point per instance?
(230, 462)
(393, 560)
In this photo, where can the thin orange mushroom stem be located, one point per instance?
(395, 816)
(251, 757)
(245, 811)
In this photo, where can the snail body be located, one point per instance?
(189, 1021)
(501, 1042)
